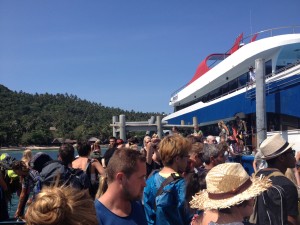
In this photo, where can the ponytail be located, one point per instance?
(102, 186)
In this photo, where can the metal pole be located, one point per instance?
(122, 127)
(159, 126)
(195, 123)
(261, 121)
(114, 121)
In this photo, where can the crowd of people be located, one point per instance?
(174, 180)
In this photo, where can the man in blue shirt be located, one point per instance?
(120, 203)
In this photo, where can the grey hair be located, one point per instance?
(208, 151)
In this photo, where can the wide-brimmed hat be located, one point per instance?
(228, 184)
(274, 146)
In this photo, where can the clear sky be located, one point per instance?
(130, 54)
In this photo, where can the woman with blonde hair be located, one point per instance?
(61, 206)
(229, 197)
(27, 156)
(223, 129)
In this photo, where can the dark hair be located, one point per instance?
(83, 149)
(133, 140)
(19, 165)
(39, 160)
(272, 161)
(123, 160)
(66, 153)
(112, 137)
(195, 182)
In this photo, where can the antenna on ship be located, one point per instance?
(250, 22)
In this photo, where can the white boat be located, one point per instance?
(221, 87)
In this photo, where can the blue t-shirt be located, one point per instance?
(106, 217)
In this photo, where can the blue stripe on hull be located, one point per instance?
(282, 98)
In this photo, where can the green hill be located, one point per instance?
(39, 118)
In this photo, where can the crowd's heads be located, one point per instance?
(212, 154)
(155, 136)
(39, 160)
(27, 154)
(123, 160)
(112, 142)
(228, 184)
(61, 206)
(120, 142)
(83, 149)
(66, 153)
(175, 129)
(172, 146)
(211, 139)
(146, 140)
(20, 167)
(196, 154)
(194, 138)
(96, 147)
(274, 146)
(221, 123)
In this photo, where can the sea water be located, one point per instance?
(18, 155)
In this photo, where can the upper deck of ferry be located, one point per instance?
(201, 83)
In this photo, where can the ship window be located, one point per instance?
(219, 92)
(232, 85)
(268, 67)
(242, 80)
(205, 98)
(225, 88)
(213, 94)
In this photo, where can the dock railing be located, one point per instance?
(121, 126)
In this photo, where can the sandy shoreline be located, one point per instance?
(29, 147)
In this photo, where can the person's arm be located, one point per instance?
(98, 167)
(22, 202)
(296, 176)
(254, 165)
(227, 131)
(149, 152)
(245, 126)
(297, 156)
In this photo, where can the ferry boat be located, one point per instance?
(221, 87)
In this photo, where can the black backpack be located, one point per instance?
(55, 171)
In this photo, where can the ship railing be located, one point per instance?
(289, 66)
(248, 39)
(250, 92)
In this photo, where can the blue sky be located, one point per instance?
(130, 54)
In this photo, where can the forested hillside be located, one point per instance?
(27, 118)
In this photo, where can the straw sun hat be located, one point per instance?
(274, 146)
(228, 184)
